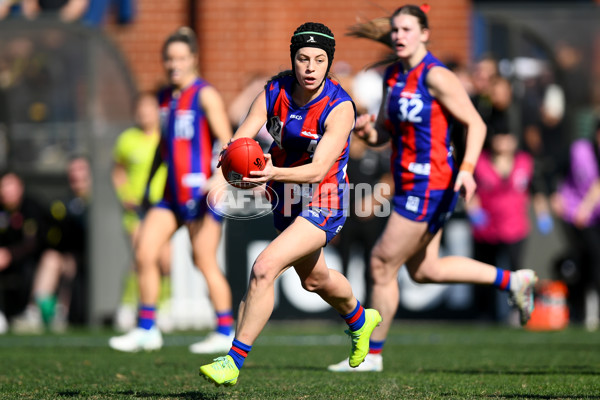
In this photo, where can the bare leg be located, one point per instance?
(397, 242)
(408, 242)
(426, 267)
(332, 286)
(157, 229)
(165, 259)
(299, 242)
(205, 236)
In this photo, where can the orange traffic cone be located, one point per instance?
(551, 312)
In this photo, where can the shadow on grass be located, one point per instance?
(564, 370)
(290, 367)
(193, 395)
(527, 396)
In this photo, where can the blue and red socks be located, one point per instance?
(376, 347)
(356, 319)
(225, 322)
(146, 316)
(502, 280)
(239, 351)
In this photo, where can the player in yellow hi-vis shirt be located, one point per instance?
(133, 155)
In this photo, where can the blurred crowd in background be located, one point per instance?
(539, 173)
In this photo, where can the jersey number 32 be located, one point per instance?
(410, 109)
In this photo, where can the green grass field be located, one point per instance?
(421, 361)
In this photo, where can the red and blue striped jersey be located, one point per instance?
(296, 132)
(420, 127)
(186, 143)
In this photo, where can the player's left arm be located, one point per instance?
(214, 107)
(447, 89)
(338, 125)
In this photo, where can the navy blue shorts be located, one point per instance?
(329, 220)
(434, 207)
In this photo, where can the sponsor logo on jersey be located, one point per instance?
(193, 180)
(296, 116)
(309, 135)
(420, 168)
(410, 95)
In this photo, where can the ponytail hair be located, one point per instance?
(377, 29)
(380, 29)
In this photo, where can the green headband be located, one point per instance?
(315, 33)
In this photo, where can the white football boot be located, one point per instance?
(372, 363)
(215, 342)
(138, 339)
(522, 285)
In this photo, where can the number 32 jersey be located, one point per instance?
(421, 151)
(296, 132)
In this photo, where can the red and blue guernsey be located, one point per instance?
(296, 132)
(422, 161)
(186, 147)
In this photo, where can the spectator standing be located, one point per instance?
(499, 211)
(577, 204)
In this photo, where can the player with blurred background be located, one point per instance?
(310, 118)
(192, 116)
(422, 98)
